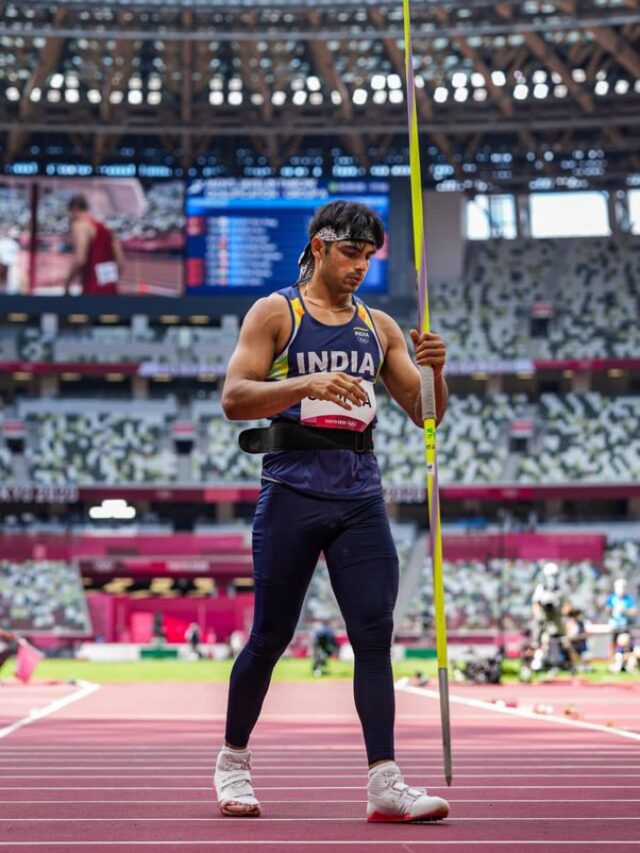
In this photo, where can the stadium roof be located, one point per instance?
(538, 93)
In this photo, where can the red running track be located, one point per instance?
(128, 768)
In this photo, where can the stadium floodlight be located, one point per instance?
(216, 98)
(379, 97)
(36, 95)
(235, 98)
(579, 75)
(601, 87)
(459, 80)
(498, 78)
(336, 98)
(394, 81)
(622, 86)
(359, 97)
(316, 98)
(257, 99)
(461, 95)
(480, 95)
(72, 96)
(396, 96)
(540, 90)
(440, 95)
(56, 81)
(478, 79)
(13, 94)
(299, 98)
(561, 91)
(94, 96)
(53, 96)
(313, 84)
(378, 82)
(520, 91)
(135, 97)
(278, 98)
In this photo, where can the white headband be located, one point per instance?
(330, 235)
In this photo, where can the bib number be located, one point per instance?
(329, 415)
(107, 273)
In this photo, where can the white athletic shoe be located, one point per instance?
(389, 799)
(233, 784)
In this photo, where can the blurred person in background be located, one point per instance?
(98, 258)
(8, 646)
(12, 275)
(553, 648)
(192, 636)
(622, 609)
(577, 635)
(323, 645)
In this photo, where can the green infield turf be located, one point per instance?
(288, 669)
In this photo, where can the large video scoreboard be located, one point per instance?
(244, 236)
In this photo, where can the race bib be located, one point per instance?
(107, 272)
(327, 414)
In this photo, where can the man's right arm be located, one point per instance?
(247, 395)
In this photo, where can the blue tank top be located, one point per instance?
(352, 348)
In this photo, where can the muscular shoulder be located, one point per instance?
(387, 328)
(270, 316)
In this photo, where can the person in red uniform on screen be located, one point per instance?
(98, 259)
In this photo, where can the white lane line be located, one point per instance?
(592, 845)
(519, 712)
(86, 689)
(268, 771)
(272, 776)
(206, 800)
(357, 751)
(306, 842)
(450, 821)
(544, 787)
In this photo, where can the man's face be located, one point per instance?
(344, 264)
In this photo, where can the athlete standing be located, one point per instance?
(98, 258)
(307, 358)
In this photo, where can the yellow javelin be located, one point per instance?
(427, 384)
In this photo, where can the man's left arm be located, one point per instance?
(81, 244)
(400, 374)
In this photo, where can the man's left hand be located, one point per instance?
(429, 350)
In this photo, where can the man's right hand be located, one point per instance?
(339, 388)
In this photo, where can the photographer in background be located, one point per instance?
(553, 649)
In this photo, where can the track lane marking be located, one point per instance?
(85, 690)
(519, 712)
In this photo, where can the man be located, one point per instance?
(323, 645)
(98, 258)
(622, 611)
(307, 358)
(554, 649)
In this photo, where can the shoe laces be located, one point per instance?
(393, 781)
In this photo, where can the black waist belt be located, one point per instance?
(289, 435)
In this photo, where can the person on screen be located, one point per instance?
(307, 358)
(98, 258)
(12, 278)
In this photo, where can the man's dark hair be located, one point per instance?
(344, 217)
(349, 217)
(78, 202)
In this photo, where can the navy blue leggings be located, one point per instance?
(290, 531)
